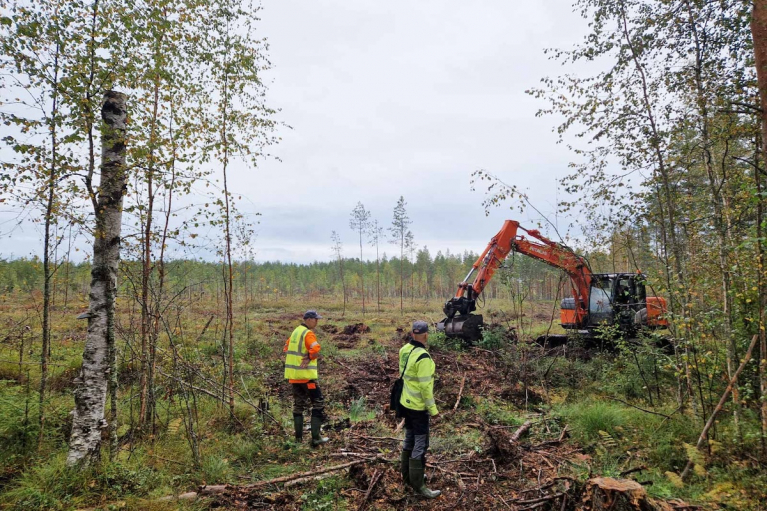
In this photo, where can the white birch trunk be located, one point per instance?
(90, 396)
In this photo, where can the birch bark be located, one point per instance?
(98, 356)
(759, 35)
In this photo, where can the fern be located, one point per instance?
(697, 458)
(607, 440)
(674, 479)
(173, 426)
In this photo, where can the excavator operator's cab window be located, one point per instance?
(624, 291)
(641, 292)
(600, 306)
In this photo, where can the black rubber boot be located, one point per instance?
(404, 465)
(417, 469)
(316, 438)
(298, 425)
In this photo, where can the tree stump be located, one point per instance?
(606, 493)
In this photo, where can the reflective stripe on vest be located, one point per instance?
(294, 356)
(411, 395)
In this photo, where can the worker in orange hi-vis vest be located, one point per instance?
(302, 352)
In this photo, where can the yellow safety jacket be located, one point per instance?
(418, 388)
(295, 354)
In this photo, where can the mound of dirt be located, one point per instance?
(357, 328)
(346, 342)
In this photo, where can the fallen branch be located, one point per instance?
(633, 470)
(376, 477)
(704, 433)
(333, 359)
(363, 437)
(399, 426)
(460, 393)
(524, 428)
(301, 476)
(558, 441)
(313, 473)
(638, 408)
(540, 488)
(296, 482)
(539, 499)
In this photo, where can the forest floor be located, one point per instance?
(589, 414)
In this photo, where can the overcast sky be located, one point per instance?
(400, 98)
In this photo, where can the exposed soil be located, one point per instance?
(357, 328)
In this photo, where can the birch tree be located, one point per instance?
(759, 37)
(240, 127)
(90, 396)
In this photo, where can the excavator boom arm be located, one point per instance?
(539, 247)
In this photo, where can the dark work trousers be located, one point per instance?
(305, 393)
(416, 433)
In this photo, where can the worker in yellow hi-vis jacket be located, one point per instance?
(417, 368)
(301, 354)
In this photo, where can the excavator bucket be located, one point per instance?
(467, 327)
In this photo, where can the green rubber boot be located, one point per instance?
(404, 466)
(316, 438)
(298, 426)
(416, 480)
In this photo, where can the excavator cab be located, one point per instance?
(615, 299)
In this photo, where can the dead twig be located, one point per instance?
(540, 488)
(638, 408)
(501, 499)
(460, 393)
(333, 359)
(376, 477)
(539, 500)
(363, 437)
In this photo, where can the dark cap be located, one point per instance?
(420, 327)
(312, 314)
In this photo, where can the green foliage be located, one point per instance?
(438, 341)
(53, 485)
(215, 469)
(358, 410)
(326, 496)
(494, 338)
(499, 414)
(590, 418)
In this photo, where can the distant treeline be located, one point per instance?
(426, 277)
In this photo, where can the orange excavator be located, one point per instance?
(597, 299)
